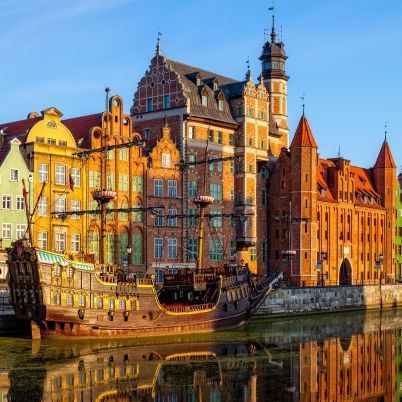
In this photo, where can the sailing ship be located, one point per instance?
(102, 300)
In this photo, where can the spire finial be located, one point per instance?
(303, 104)
(248, 74)
(273, 33)
(339, 151)
(158, 44)
(386, 126)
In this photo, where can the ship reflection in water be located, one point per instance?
(343, 357)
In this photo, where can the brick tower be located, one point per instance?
(273, 60)
(303, 195)
(384, 172)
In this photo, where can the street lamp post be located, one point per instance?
(129, 258)
(378, 266)
(320, 266)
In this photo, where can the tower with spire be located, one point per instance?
(273, 59)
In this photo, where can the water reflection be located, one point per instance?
(345, 357)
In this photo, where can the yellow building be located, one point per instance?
(59, 180)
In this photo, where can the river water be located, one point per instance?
(354, 356)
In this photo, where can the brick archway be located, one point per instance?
(345, 273)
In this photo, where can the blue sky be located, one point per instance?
(344, 55)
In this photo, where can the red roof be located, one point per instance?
(303, 136)
(385, 159)
(19, 127)
(80, 127)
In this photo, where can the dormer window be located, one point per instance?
(220, 105)
(215, 86)
(198, 81)
(323, 193)
(204, 100)
(51, 124)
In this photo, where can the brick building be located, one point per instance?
(213, 114)
(341, 217)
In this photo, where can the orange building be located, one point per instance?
(341, 217)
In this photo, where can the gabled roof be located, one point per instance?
(81, 126)
(385, 159)
(20, 126)
(303, 136)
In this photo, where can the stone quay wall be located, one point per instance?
(288, 301)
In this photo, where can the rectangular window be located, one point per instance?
(262, 144)
(191, 132)
(75, 243)
(94, 179)
(123, 182)
(42, 173)
(42, 206)
(262, 115)
(147, 134)
(192, 248)
(216, 218)
(172, 217)
(40, 140)
(20, 205)
(232, 194)
(232, 248)
(6, 230)
(62, 143)
(14, 174)
(60, 241)
(263, 196)
(137, 184)
(158, 187)
(216, 191)
(264, 251)
(6, 201)
(172, 188)
(42, 240)
(250, 112)
(220, 104)
(76, 176)
(172, 248)
(61, 171)
(123, 154)
(137, 249)
(204, 100)
(192, 188)
(231, 167)
(219, 137)
(191, 160)
(231, 139)
(21, 230)
(216, 249)
(193, 216)
(166, 160)
(149, 105)
(51, 141)
(110, 181)
(211, 166)
(253, 254)
(158, 248)
(166, 102)
(159, 217)
(219, 166)
(211, 135)
(75, 206)
(60, 203)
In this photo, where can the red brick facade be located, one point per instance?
(342, 217)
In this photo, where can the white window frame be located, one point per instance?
(76, 176)
(158, 248)
(75, 206)
(158, 187)
(191, 132)
(6, 202)
(172, 188)
(60, 240)
(42, 206)
(6, 230)
(172, 248)
(75, 242)
(172, 217)
(15, 178)
(43, 171)
(166, 160)
(60, 173)
(21, 230)
(60, 203)
(159, 217)
(43, 240)
(20, 203)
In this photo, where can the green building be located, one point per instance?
(13, 169)
(398, 229)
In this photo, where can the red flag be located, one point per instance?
(24, 190)
(71, 182)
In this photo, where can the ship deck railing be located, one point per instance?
(188, 308)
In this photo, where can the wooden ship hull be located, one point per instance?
(63, 299)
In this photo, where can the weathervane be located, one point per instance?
(273, 34)
(303, 104)
(386, 126)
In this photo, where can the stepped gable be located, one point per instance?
(322, 174)
(385, 159)
(303, 136)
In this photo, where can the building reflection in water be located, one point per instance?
(360, 367)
